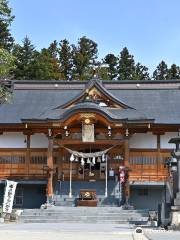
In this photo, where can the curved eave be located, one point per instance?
(107, 115)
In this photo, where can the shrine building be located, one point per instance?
(57, 138)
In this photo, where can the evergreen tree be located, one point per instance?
(161, 72)
(126, 66)
(141, 72)
(84, 58)
(53, 49)
(102, 72)
(6, 18)
(6, 65)
(111, 61)
(65, 59)
(174, 72)
(24, 56)
(44, 67)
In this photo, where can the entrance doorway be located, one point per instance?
(92, 171)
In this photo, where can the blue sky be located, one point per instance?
(149, 28)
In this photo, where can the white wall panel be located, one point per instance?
(165, 139)
(39, 141)
(143, 140)
(12, 140)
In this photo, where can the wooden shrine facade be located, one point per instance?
(112, 122)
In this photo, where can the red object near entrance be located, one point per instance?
(122, 176)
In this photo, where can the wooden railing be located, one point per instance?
(14, 164)
(148, 166)
(143, 165)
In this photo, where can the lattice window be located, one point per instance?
(12, 159)
(143, 160)
(39, 159)
(18, 198)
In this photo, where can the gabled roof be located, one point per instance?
(157, 100)
(94, 84)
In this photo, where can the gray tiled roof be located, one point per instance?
(163, 105)
(110, 113)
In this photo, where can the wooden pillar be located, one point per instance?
(158, 152)
(126, 164)
(28, 153)
(50, 170)
(60, 165)
(126, 152)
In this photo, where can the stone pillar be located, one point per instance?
(50, 171)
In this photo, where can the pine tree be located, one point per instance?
(24, 56)
(6, 18)
(141, 72)
(65, 59)
(174, 72)
(84, 58)
(6, 66)
(53, 50)
(44, 67)
(161, 72)
(126, 66)
(111, 61)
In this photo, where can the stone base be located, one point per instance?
(177, 199)
(176, 219)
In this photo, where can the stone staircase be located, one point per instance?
(111, 215)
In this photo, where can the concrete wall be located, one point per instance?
(165, 138)
(151, 201)
(143, 140)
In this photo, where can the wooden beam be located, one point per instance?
(97, 142)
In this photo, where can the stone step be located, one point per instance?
(111, 215)
(105, 209)
(137, 222)
(83, 214)
(93, 219)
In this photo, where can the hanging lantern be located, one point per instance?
(72, 158)
(98, 159)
